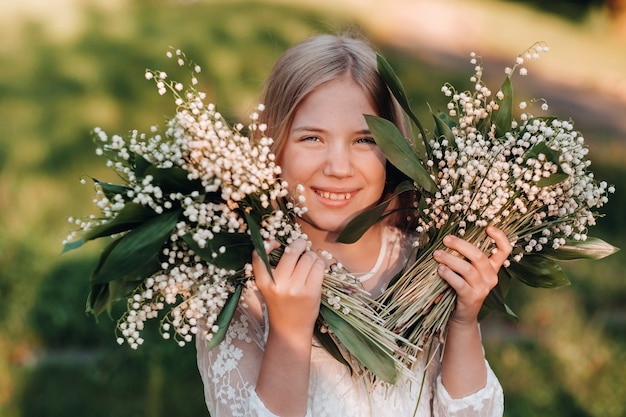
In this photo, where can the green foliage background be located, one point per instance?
(565, 358)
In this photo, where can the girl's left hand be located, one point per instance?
(473, 277)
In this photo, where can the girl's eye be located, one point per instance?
(366, 140)
(310, 139)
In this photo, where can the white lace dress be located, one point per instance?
(230, 370)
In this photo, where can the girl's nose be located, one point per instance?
(338, 163)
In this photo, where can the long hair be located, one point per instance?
(318, 60)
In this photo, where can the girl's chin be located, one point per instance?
(324, 224)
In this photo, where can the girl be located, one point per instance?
(269, 364)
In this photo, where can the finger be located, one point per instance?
(455, 280)
(309, 269)
(260, 272)
(464, 248)
(290, 257)
(476, 269)
(503, 246)
(456, 264)
(270, 245)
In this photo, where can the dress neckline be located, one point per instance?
(379, 261)
(389, 239)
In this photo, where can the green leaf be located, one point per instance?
(442, 129)
(398, 151)
(538, 271)
(141, 165)
(495, 301)
(129, 217)
(140, 245)
(397, 89)
(257, 241)
(503, 117)
(98, 299)
(331, 347)
(542, 148)
(74, 244)
(111, 190)
(372, 356)
(102, 296)
(238, 251)
(592, 248)
(367, 218)
(225, 317)
(552, 155)
(173, 180)
(553, 179)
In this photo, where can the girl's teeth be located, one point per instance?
(335, 196)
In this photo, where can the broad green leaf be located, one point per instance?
(102, 296)
(503, 117)
(326, 340)
(111, 190)
(495, 301)
(542, 148)
(538, 271)
(257, 241)
(141, 165)
(554, 179)
(442, 129)
(74, 244)
(129, 217)
(372, 356)
(398, 151)
(238, 249)
(367, 218)
(174, 179)
(552, 155)
(140, 245)
(225, 317)
(397, 89)
(592, 248)
(98, 299)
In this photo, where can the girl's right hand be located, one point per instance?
(294, 294)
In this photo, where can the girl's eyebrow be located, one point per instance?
(320, 130)
(308, 129)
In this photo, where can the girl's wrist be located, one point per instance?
(462, 325)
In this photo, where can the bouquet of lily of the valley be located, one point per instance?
(479, 166)
(193, 203)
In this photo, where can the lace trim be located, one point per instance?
(490, 394)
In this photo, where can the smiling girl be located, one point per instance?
(269, 363)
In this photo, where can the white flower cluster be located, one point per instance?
(232, 173)
(196, 289)
(533, 183)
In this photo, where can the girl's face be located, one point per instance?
(331, 156)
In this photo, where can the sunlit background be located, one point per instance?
(67, 66)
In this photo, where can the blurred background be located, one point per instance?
(67, 66)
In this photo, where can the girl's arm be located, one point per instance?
(292, 295)
(463, 370)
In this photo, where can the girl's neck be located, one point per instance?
(358, 256)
